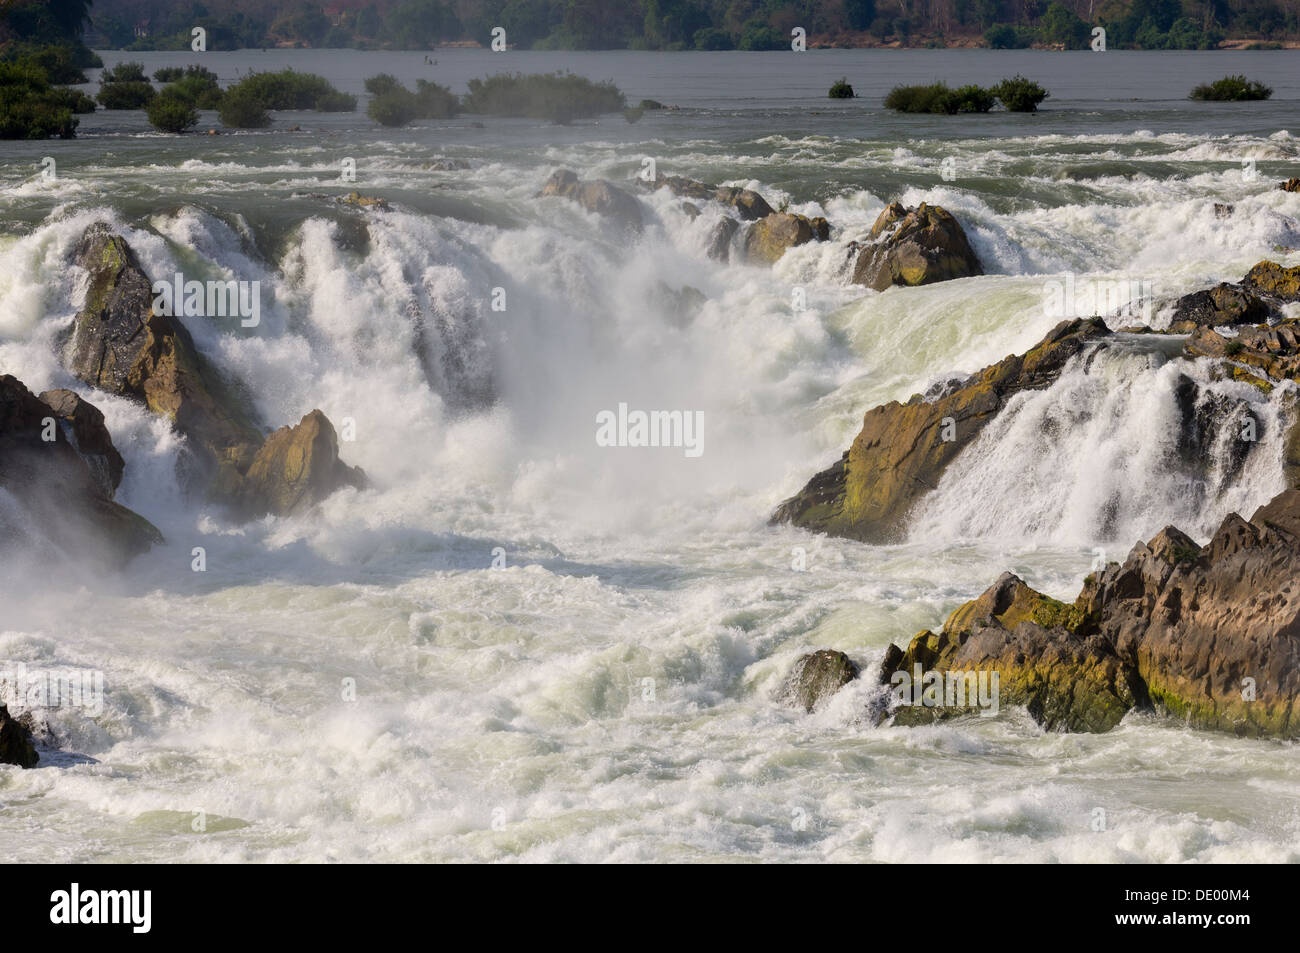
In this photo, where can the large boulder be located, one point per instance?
(83, 424)
(766, 240)
(1271, 280)
(903, 449)
(914, 247)
(1224, 304)
(118, 344)
(63, 500)
(817, 676)
(1290, 185)
(1209, 635)
(597, 195)
(748, 204)
(16, 745)
(296, 468)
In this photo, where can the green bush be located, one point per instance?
(559, 97)
(969, 99)
(1020, 95)
(199, 90)
(124, 73)
(392, 104)
(171, 112)
(711, 38)
(755, 34)
(288, 89)
(938, 98)
(126, 95)
(168, 74)
(30, 108)
(1006, 37)
(59, 64)
(241, 109)
(841, 89)
(1231, 89)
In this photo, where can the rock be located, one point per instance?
(599, 196)
(751, 206)
(86, 432)
(1290, 185)
(1271, 280)
(1222, 210)
(119, 345)
(720, 239)
(766, 240)
(1209, 635)
(1224, 304)
(650, 104)
(296, 468)
(817, 676)
(357, 200)
(1066, 679)
(64, 502)
(900, 453)
(914, 247)
(16, 742)
(691, 210)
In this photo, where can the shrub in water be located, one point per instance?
(841, 89)
(172, 112)
(1020, 95)
(559, 97)
(241, 109)
(1231, 89)
(134, 94)
(395, 105)
(30, 108)
(288, 89)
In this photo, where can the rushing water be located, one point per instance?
(610, 693)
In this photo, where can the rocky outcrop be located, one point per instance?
(1208, 635)
(817, 676)
(720, 239)
(1270, 280)
(914, 247)
(766, 240)
(16, 745)
(903, 449)
(357, 200)
(750, 206)
(63, 500)
(598, 196)
(118, 344)
(84, 427)
(296, 468)
(1224, 304)
(1290, 185)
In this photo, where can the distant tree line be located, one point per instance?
(669, 24)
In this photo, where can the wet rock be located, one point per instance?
(357, 200)
(903, 449)
(16, 745)
(1271, 280)
(1224, 304)
(749, 204)
(599, 196)
(914, 247)
(1290, 185)
(85, 430)
(766, 240)
(297, 467)
(720, 239)
(819, 675)
(63, 502)
(1222, 210)
(118, 344)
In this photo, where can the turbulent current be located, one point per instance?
(568, 651)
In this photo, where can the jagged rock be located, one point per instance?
(296, 468)
(89, 437)
(1224, 304)
(119, 345)
(914, 247)
(1271, 280)
(16, 742)
(767, 239)
(720, 239)
(1290, 185)
(1067, 680)
(1207, 634)
(599, 196)
(901, 451)
(817, 676)
(65, 501)
(1223, 210)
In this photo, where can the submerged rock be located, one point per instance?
(357, 200)
(599, 196)
(819, 675)
(914, 247)
(903, 449)
(65, 501)
(16, 745)
(297, 467)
